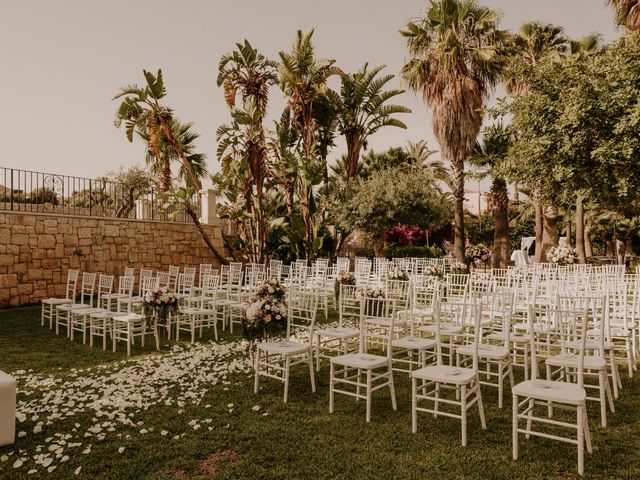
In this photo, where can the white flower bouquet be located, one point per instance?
(432, 271)
(271, 289)
(371, 296)
(478, 254)
(459, 268)
(562, 255)
(396, 273)
(264, 318)
(159, 303)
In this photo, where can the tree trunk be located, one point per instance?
(378, 244)
(188, 169)
(204, 234)
(537, 207)
(165, 175)
(458, 216)
(610, 251)
(516, 193)
(588, 247)
(500, 204)
(580, 233)
(549, 231)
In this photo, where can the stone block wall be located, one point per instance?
(36, 250)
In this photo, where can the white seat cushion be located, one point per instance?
(364, 361)
(413, 343)
(591, 362)
(444, 329)
(338, 332)
(492, 352)
(57, 301)
(560, 392)
(445, 374)
(284, 347)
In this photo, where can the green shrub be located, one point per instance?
(414, 251)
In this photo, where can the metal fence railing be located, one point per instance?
(40, 192)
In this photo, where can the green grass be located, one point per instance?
(300, 439)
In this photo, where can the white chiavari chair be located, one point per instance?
(49, 305)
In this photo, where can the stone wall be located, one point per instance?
(36, 250)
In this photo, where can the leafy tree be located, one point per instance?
(129, 184)
(456, 59)
(44, 195)
(247, 74)
(393, 197)
(142, 113)
(362, 110)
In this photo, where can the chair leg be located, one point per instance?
(287, 362)
(318, 353)
(414, 405)
(514, 427)
(332, 372)
(580, 421)
(311, 372)
(483, 421)
(257, 371)
(500, 382)
(392, 388)
(463, 413)
(368, 396)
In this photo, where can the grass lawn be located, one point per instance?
(191, 413)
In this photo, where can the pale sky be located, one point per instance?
(63, 60)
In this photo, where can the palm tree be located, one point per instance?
(362, 110)
(161, 167)
(303, 79)
(456, 60)
(421, 153)
(494, 148)
(248, 74)
(141, 112)
(627, 13)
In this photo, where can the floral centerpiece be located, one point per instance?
(158, 304)
(562, 255)
(345, 278)
(432, 271)
(396, 273)
(266, 317)
(479, 254)
(271, 288)
(459, 268)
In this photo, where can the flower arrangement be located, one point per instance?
(264, 318)
(396, 273)
(459, 268)
(345, 278)
(478, 254)
(372, 292)
(159, 303)
(370, 296)
(432, 271)
(271, 289)
(562, 255)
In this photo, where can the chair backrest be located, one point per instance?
(144, 273)
(164, 279)
(190, 271)
(125, 286)
(597, 308)
(568, 334)
(185, 281)
(129, 272)
(465, 314)
(87, 288)
(105, 286)
(275, 269)
(456, 285)
(348, 303)
(235, 266)
(148, 283)
(373, 310)
(497, 310)
(342, 265)
(209, 285)
(72, 284)
(302, 309)
(400, 290)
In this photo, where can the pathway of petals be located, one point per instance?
(114, 395)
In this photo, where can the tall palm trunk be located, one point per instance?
(580, 243)
(500, 205)
(165, 175)
(550, 237)
(458, 215)
(516, 193)
(537, 212)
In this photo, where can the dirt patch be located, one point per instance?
(175, 473)
(210, 465)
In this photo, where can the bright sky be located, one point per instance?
(62, 62)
